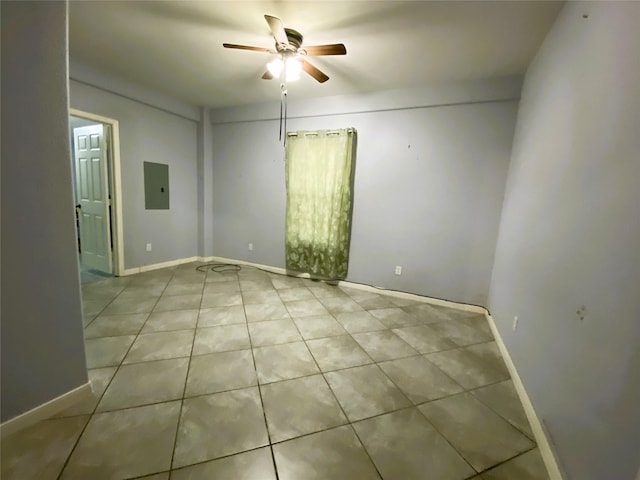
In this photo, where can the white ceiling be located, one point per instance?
(175, 47)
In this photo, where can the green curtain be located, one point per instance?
(319, 179)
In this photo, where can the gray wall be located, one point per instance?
(205, 185)
(430, 173)
(156, 135)
(42, 343)
(570, 238)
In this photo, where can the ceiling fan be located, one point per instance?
(291, 52)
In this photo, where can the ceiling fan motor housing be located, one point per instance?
(295, 40)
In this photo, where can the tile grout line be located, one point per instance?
(255, 369)
(186, 378)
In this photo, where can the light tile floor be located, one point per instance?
(252, 375)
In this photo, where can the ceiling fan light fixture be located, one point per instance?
(293, 68)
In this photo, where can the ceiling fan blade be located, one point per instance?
(275, 24)
(247, 47)
(333, 49)
(314, 72)
(267, 75)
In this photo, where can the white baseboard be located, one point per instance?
(358, 286)
(158, 266)
(542, 440)
(46, 410)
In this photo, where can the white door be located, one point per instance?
(93, 197)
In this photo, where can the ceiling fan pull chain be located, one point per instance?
(283, 108)
(282, 93)
(280, 133)
(285, 116)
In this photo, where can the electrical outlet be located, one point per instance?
(515, 323)
(398, 270)
(148, 247)
(250, 247)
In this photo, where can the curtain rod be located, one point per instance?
(328, 132)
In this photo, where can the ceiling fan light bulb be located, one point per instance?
(293, 69)
(275, 67)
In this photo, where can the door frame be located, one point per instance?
(116, 186)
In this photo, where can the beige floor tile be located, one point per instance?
(157, 476)
(107, 351)
(371, 301)
(320, 326)
(115, 325)
(178, 302)
(322, 290)
(282, 282)
(338, 352)
(419, 379)
(180, 288)
(221, 277)
(145, 383)
(482, 437)
(293, 294)
(460, 333)
(479, 322)
(125, 443)
(266, 311)
(253, 465)
(405, 446)
(221, 299)
(213, 426)
(365, 391)
(384, 345)
(221, 339)
(40, 451)
(358, 322)
(255, 284)
(221, 287)
(255, 297)
(394, 317)
(160, 346)
(404, 302)
(300, 406)
(503, 399)
(340, 304)
(218, 372)
(284, 362)
(216, 316)
(424, 339)
(490, 356)
(426, 313)
(528, 466)
(305, 308)
(273, 332)
(332, 454)
(466, 368)
(142, 290)
(169, 321)
(133, 304)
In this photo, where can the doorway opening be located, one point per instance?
(95, 161)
